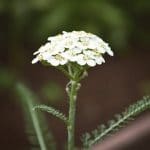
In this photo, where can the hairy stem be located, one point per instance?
(72, 93)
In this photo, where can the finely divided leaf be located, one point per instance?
(52, 111)
(120, 121)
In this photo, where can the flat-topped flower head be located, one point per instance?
(76, 46)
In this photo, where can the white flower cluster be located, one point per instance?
(76, 46)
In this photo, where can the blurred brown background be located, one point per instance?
(125, 78)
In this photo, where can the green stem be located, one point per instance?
(72, 93)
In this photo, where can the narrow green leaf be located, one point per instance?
(36, 125)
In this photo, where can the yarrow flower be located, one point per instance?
(76, 46)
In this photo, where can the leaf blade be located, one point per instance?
(35, 119)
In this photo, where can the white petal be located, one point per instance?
(73, 58)
(35, 53)
(103, 60)
(92, 44)
(35, 60)
(76, 50)
(53, 62)
(99, 60)
(101, 50)
(47, 46)
(91, 62)
(46, 56)
(40, 50)
(69, 55)
(80, 60)
(65, 54)
(110, 52)
(88, 52)
(63, 62)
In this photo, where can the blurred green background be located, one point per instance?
(25, 26)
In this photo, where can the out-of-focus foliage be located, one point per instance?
(6, 78)
(145, 87)
(52, 91)
(36, 126)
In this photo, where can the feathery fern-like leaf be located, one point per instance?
(120, 121)
(39, 136)
(52, 111)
